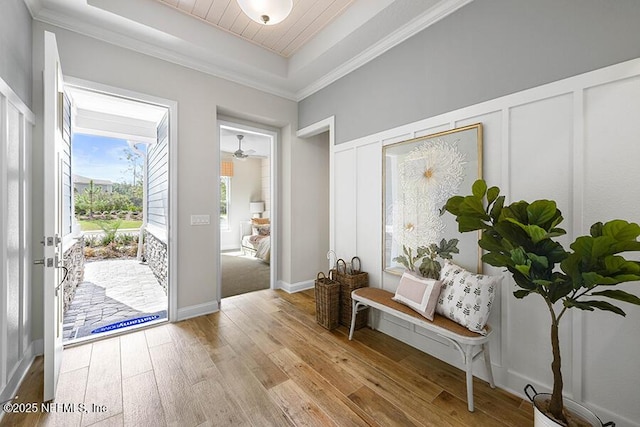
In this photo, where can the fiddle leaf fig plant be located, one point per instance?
(521, 238)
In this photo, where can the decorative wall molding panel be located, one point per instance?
(16, 351)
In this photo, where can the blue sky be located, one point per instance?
(99, 157)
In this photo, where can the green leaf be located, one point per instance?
(517, 211)
(596, 229)
(614, 264)
(496, 209)
(541, 211)
(489, 242)
(473, 206)
(524, 269)
(621, 230)
(521, 293)
(430, 268)
(402, 260)
(539, 260)
(492, 194)
(453, 205)
(619, 295)
(479, 188)
(497, 259)
(469, 223)
(536, 233)
(600, 305)
(560, 289)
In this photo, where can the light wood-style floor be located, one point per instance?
(263, 361)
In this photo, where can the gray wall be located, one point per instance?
(485, 50)
(15, 47)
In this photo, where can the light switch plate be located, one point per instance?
(200, 220)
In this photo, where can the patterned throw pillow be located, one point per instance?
(419, 294)
(466, 297)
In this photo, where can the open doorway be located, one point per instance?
(118, 174)
(247, 203)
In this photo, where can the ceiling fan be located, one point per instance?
(239, 154)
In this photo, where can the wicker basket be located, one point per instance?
(327, 301)
(350, 281)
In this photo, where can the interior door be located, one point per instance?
(53, 293)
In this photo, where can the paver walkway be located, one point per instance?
(113, 291)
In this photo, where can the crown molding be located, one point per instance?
(430, 17)
(34, 6)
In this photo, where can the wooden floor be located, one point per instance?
(262, 361)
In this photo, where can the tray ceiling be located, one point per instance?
(307, 18)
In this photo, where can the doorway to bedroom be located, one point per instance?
(246, 200)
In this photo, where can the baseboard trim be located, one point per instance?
(291, 288)
(197, 310)
(11, 388)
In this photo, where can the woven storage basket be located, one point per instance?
(327, 301)
(350, 281)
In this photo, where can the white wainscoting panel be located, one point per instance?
(344, 197)
(369, 210)
(15, 255)
(576, 141)
(612, 190)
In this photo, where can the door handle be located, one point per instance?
(49, 262)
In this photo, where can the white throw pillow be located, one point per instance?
(418, 293)
(466, 297)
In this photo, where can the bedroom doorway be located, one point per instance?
(246, 205)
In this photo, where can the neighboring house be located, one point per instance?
(80, 183)
(382, 72)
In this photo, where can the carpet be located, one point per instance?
(242, 274)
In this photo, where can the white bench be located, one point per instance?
(470, 344)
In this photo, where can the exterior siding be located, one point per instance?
(158, 178)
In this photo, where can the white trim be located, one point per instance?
(197, 310)
(173, 210)
(157, 232)
(4, 134)
(291, 288)
(15, 100)
(11, 376)
(430, 17)
(326, 125)
(18, 375)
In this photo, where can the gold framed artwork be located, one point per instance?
(419, 176)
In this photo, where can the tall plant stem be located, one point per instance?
(555, 404)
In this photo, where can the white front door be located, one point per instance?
(53, 274)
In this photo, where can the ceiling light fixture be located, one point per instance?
(266, 12)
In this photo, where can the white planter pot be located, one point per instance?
(542, 420)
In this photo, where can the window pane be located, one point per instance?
(225, 182)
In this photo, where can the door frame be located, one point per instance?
(242, 126)
(172, 107)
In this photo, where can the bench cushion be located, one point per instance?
(383, 297)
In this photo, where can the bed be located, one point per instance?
(255, 238)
